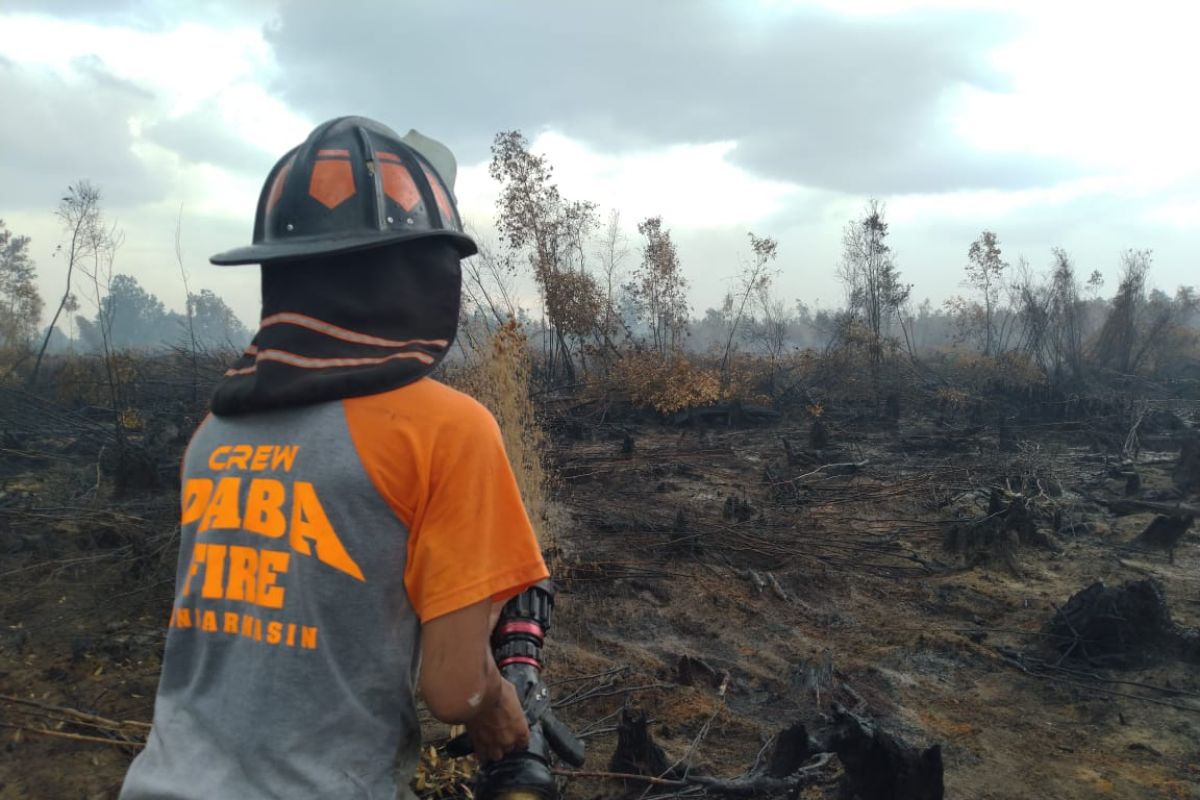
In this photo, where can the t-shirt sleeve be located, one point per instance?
(472, 540)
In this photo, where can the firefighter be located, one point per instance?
(350, 527)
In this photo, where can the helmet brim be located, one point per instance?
(306, 247)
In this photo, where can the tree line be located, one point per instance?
(101, 310)
(604, 300)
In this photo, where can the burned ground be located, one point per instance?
(756, 591)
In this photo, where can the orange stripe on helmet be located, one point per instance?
(333, 152)
(277, 185)
(399, 185)
(332, 183)
(442, 198)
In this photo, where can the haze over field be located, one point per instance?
(1053, 124)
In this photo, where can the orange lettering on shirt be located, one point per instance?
(214, 571)
(222, 511)
(285, 457)
(243, 573)
(239, 457)
(231, 622)
(264, 508)
(308, 637)
(274, 632)
(262, 456)
(247, 626)
(291, 635)
(208, 622)
(309, 524)
(197, 560)
(270, 564)
(214, 459)
(196, 494)
(183, 618)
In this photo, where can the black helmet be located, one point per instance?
(354, 184)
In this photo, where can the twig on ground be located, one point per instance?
(746, 786)
(75, 737)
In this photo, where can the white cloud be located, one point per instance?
(689, 185)
(1108, 85)
(182, 66)
(1182, 213)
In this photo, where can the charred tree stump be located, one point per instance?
(1010, 522)
(1125, 626)
(792, 748)
(1164, 532)
(818, 435)
(637, 753)
(1187, 471)
(736, 509)
(891, 410)
(878, 767)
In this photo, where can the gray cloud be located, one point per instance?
(200, 136)
(63, 131)
(847, 104)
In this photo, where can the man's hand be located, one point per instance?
(461, 684)
(501, 728)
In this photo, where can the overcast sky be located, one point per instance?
(1052, 123)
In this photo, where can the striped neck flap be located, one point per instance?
(346, 326)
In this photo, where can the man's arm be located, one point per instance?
(461, 685)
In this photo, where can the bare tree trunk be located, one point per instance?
(187, 292)
(73, 255)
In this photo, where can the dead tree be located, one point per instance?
(79, 213)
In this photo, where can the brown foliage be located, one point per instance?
(677, 382)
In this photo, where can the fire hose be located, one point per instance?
(517, 647)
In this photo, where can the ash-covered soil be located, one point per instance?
(729, 582)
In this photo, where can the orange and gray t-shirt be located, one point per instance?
(315, 540)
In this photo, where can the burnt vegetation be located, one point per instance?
(883, 551)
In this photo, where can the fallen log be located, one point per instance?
(1124, 507)
(832, 470)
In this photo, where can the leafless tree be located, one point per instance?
(750, 281)
(79, 213)
(985, 271)
(1118, 343)
(874, 292)
(104, 241)
(189, 305)
(612, 252)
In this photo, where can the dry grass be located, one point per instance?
(498, 377)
